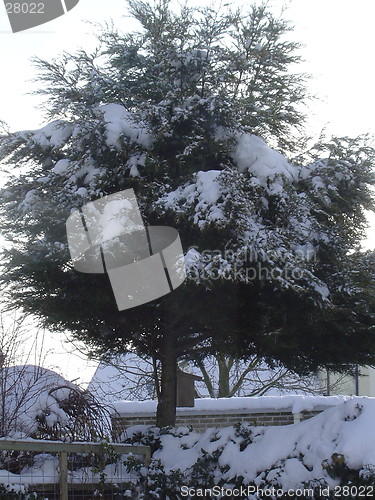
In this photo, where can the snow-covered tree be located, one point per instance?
(180, 112)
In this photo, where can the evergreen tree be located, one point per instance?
(176, 111)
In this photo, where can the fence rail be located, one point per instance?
(64, 448)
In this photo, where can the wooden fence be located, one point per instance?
(62, 449)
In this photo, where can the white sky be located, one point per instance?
(339, 39)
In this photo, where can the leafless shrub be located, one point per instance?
(37, 402)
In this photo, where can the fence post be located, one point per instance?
(63, 475)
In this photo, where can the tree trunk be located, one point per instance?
(224, 389)
(166, 411)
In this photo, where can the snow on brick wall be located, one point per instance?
(224, 412)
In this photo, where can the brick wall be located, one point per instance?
(202, 420)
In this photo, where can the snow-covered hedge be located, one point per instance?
(329, 455)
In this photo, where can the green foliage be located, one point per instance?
(246, 433)
(353, 483)
(7, 493)
(157, 484)
(147, 437)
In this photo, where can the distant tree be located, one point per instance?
(173, 111)
(125, 376)
(132, 377)
(226, 377)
